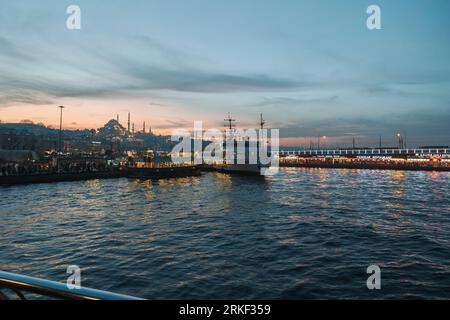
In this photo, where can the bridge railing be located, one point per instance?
(21, 285)
(363, 152)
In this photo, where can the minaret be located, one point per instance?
(133, 127)
(143, 127)
(129, 119)
(117, 118)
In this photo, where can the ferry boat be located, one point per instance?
(246, 168)
(148, 168)
(167, 171)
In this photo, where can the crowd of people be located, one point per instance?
(84, 166)
(35, 168)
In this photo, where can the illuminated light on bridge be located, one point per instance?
(366, 152)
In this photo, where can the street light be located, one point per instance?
(318, 140)
(401, 143)
(60, 128)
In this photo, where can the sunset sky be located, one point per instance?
(312, 67)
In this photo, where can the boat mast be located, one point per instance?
(230, 121)
(231, 124)
(262, 122)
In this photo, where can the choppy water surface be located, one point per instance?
(304, 233)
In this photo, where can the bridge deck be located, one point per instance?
(364, 152)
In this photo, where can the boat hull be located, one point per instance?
(244, 169)
(59, 177)
(155, 173)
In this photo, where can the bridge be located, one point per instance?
(366, 152)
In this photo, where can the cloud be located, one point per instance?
(208, 82)
(175, 124)
(291, 101)
(102, 72)
(157, 104)
(11, 97)
(10, 52)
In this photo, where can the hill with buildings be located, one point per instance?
(38, 137)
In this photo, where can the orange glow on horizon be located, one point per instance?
(94, 114)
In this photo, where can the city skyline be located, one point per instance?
(141, 126)
(313, 68)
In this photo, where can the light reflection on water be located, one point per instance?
(304, 233)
